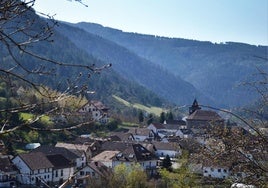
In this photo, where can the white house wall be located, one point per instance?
(24, 176)
(63, 174)
(164, 153)
(81, 161)
(216, 172)
(87, 171)
(152, 127)
(109, 164)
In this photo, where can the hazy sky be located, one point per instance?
(207, 20)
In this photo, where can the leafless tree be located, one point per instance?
(243, 146)
(20, 30)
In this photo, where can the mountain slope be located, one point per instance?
(133, 67)
(106, 84)
(217, 70)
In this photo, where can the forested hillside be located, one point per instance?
(133, 67)
(217, 70)
(104, 83)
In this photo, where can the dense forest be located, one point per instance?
(219, 71)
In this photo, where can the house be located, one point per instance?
(177, 129)
(137, 154)
(184, 133)
(179, 123)
(78, 160)
(163, 149)
(34, 168)
(81, 150)
(142, 134)
(215, 170)
(62, 168)
(115, 145)
(97, 110)
(121, 136)
(92, 172)
(8, 172)
(93, 145)
(156, 127)
(115, 153)
(210, 168)
(106, 157)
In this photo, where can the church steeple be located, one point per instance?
(194, 107)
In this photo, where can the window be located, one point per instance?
(93, 173)
(61, 173)
(219, 170)
(206, 171)
(82, 173)
(212, 169)
(224, 170)
(119, 155)
(4, 178)
(56, 174)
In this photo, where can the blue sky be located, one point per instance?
(206, 20)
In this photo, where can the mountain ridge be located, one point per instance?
(133, 67)
(217, 70)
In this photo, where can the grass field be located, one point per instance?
(150, 109)
(29, 117)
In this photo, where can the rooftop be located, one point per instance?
(204, 115)
(36, 160)
(105, 156)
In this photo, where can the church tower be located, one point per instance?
(194, 107)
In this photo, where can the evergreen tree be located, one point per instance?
(141, 117)
(167, 163)
(170, 116)
(150, 119)
(162, 117)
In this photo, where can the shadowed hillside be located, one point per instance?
(217, 70)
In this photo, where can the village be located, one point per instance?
(85, 159)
